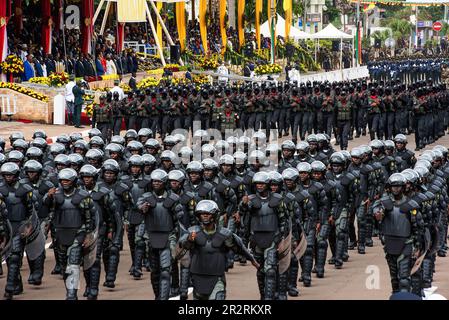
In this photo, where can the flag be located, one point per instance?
(224, 39)
(241, 24)
(46, 26)
(87, 13)
(131, 11)
(258, 12)
(158, 26)
(3, 37)
(288, 17)
(369, 7)
(120, 37)
(181, 24)
(203, 27)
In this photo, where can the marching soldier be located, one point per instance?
(402, 227)
(101, 118)
(342, 118)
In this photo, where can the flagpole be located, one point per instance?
(357, 34)
(273, 28)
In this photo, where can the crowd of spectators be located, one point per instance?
(66, 55)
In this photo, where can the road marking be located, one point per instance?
(189, 292)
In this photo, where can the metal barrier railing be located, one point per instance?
(6, 107)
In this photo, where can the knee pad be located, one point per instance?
(165, 259)
(165, 274)
(14, 259)
(404, 284)
(309, 251)
(322, 244)
(272, 257)
(270, 273)
(74, 255)
(113, 250)
(341, 236)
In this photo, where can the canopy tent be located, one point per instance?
(295, 33)
(330, 32)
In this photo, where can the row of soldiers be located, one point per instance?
(243, 193)
(407, 71)
(383, 109)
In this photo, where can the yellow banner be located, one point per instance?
(181, 24)
(224, 39)
(203, 27)
(288, 17)
(131, 11)
(241, 26)
(258, 11)
(158, 26)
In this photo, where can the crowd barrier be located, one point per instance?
(334, 76)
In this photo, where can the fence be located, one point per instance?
(144, 48)
(7, 108)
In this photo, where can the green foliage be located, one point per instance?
(401, 30)
(302, 54)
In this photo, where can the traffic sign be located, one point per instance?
(437, 26)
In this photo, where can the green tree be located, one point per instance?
(401, 30)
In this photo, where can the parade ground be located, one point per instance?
(362, 277)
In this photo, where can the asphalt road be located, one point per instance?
(362, 277)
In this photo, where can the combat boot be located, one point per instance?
(57, 269)
(351, 245)
(36, 270)
(361, 249)
(138, 258)
(71, 294)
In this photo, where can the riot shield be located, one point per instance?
(284, 253)
(90, 246)
(30, 230)
(5, 245)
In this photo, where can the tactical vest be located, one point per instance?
(102, 113)
(228, 121)
(397, 221)
(376, 108)
(159, 217)
(202, 192)
(264, 214)
(154, 107)
(40, 190)
(17, 211)
(138, 188)
(67, 211)
(98, 198)
(141, 109)
(327, 104)
(209, 253)
(344, 111)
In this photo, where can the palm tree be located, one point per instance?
(381, 35)
(401, 30)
